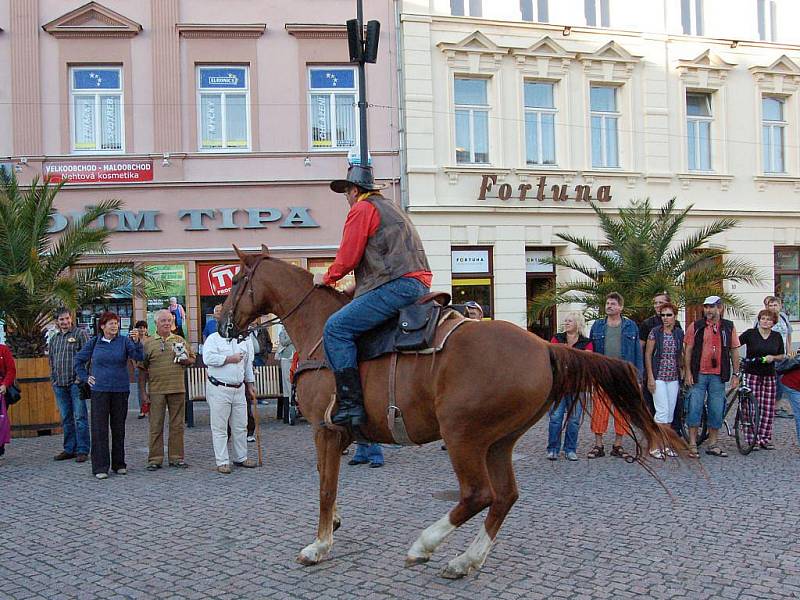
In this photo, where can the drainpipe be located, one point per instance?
(401, 121)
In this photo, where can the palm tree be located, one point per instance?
(41, 272)
(642, 255)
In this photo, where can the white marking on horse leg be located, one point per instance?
(473, 558)
(315, 552)
(429, 540)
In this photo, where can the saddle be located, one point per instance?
(412, 331)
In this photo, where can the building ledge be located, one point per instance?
(453, 171)
(316, 31)
(762, 181)
(221, 30)
(723, 179)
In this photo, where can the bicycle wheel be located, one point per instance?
(747, 421)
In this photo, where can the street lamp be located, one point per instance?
(362, 50)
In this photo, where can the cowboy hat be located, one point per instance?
(356, 175)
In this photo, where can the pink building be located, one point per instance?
(216, 123)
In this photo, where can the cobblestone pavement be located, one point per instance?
(591, 529)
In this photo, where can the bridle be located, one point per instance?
(247, 278)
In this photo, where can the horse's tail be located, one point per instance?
(580, 373)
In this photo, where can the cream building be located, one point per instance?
(517, 111)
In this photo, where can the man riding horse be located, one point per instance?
(381, 245)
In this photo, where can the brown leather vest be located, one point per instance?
(392, 251)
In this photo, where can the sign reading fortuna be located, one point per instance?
(541, 191)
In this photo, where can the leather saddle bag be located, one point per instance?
(416, 326)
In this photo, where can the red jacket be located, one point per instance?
(362, 222)
(8, 368)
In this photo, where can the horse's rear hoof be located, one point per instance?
(337, 522)
(412, 561)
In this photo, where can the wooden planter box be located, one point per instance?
(37, 413)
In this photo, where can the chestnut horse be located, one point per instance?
(480, 394)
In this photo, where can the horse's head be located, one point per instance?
(248, 300)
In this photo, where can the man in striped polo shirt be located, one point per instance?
(166, 391)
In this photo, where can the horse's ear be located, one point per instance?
(264, 250)
(242, 256)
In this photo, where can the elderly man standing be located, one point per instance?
(64, 345)
(230, 371)
(166, 391)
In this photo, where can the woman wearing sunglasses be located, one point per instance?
(663, 357)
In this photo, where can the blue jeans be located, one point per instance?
(557, 412)
(74, 418)
(372, 453)
(793, 396)
(364, 313)
(715, 388)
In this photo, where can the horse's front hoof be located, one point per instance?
(305, 560)
(453, 573)
(412, 561)
(337, 522)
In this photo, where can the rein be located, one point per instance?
(248, 278)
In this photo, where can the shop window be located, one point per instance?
(96, 110)
(605, 125)
(773, 134)
(787, 280)
(223, 100)
(698, 130)
(539, 279)
(214, 282)
(172, 279)
(472, 120)
(540, 123)
(120, 301)
(472, 270)
(333, 121)
(320, 265)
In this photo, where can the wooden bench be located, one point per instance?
(268, 385)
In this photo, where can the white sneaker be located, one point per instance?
(251, 438)
(122, 471)
(101, 475)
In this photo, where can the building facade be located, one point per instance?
(216, 123)
(517, 112)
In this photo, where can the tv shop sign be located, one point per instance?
(98, 171)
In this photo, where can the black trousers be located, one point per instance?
(108, 408)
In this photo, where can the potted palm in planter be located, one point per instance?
(41, 272)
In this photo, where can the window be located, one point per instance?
(472, 120)
(787, 280)
(605, 122)
(767, 20)
(594, 7)
(692, 17)
(223, 98)
(540, 116)
(466, 8)
(542, 14)
(773, 134)
(698, 130)
(332, 102)
(96, 109)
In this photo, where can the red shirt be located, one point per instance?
(8, 368)
(362, 222)
(589, 346)
(791, 379)
(712, 346)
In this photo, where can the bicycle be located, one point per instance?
(746, 421)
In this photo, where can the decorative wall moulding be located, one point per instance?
(705, 71)
(92, 20)
(316, 31)
(781, 77)
(609, 62)
(221, 30)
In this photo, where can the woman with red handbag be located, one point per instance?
(8, 373)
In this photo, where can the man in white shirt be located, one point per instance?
(230, 372)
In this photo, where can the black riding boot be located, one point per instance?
(351, 398)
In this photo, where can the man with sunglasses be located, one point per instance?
(711, 359)
(165, 391)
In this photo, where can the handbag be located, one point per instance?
(417, 326)
(13, 394)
